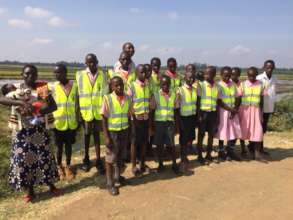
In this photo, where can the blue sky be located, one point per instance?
(223, 32)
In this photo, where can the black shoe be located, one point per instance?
(145, 169)
(100, 167)
(136, 172)
(222, 155)
(121, 181)
(209, 157)
(161, 168)
(244, 154)
(265, 153)
(232, 156)
(113, 190)
(175, 169)
(201, 160)
(86, 165)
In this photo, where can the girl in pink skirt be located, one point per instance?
(229, 127)
(250, 111)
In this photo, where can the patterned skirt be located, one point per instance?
(32, 162)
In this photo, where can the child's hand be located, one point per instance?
(108, 143)
(43, 91)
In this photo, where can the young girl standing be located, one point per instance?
(252, 91)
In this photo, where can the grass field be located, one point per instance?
(46, 72)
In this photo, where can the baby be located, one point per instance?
(10, 91)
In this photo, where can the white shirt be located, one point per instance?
(117, 67)
(270, 98)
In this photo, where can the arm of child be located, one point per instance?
(108, 141)
(49, 105)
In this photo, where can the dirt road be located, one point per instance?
(229, 190)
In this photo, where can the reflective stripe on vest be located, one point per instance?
(164, 108)
(90, 96)
(209, 96)
(141, 98)
(228, 93)
(175, 83)
(251, 95)
(65, 115)
(118, 115)
(154, 83)
(187, 101)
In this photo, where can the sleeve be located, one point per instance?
(220, 93)
(105, 108)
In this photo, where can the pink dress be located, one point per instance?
(251, 118)
(229, 128)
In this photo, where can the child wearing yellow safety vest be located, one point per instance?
(171, 72)
(186, 100)
(126, 72)
(229, 128)
(92, 86)
(163, 112)
(208, 95)
(66, 97)
(155, 77)
(252, 92)
(116, 120)
(139, 92)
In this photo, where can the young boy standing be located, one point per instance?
(140, 94)
(186, 100)
(163, 108)
(65, 95)
(92, 86)
(172, 73)
(208, 95)
(116, 114)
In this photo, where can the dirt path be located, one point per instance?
(229, 190)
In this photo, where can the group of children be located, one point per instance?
(139, 106)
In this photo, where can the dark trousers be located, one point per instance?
(266, 117)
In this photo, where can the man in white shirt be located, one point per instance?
(269, 81)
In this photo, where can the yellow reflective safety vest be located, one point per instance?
(188, 99)
(65, 115)
(209, 96)
(251, 95)
(118, 114)
(126, 79)
(228, 93)
(164, 108)
(91, 96)
(154, 83)
(140, 98)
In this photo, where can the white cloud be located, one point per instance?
(240, 50)
(41, 41)
(19, 23)
(135, 10)
(106, 44)
(173, 15)
(36, 12)
(144, 47)
(2, 11)
(168, 50)
(56, 22)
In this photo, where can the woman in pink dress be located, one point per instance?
(229, 127)
(250, 112)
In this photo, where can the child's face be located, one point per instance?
(226, 75)
(235, 75)
(92, 63)
(189, 78)
(269, 68)
(124, 59)
(251, 75)
(200, 76)
(191, 68)
(30, 75)
(60, 74)
(118, 86)
(209, 74)
(141, 73)
(129, 49)
(156, 65)
(148, 71)
(165, 85)
(172, 66)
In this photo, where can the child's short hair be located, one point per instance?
(253, 68)
(269, 61)
(237, 69)
(29, 66)
(155, 59)
(164, 76)
(171, 59)
(228, 68)
(5, 89)
(115, 78)
(62, 66)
